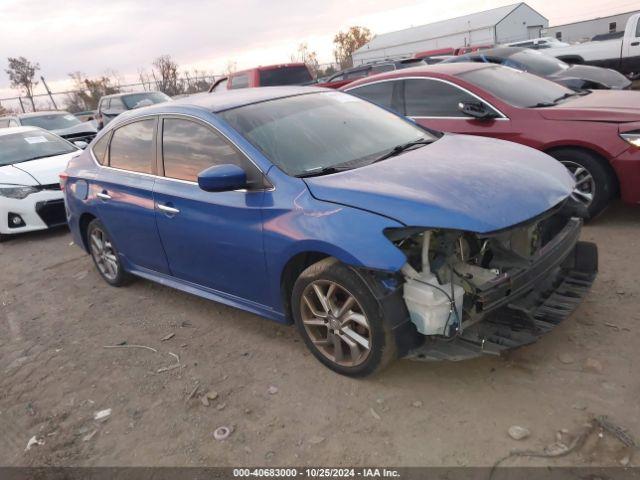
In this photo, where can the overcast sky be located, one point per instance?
(126, 35)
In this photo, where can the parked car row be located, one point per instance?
(349, 213)
(61, 123)
(594, 133)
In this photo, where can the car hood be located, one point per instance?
(85, 127)
(613, 106)
(43, 171)
(603, 76)
(458, 182)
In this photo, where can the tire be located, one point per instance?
(334, 347)
(107, 259)
(603, 181)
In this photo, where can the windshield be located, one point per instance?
(520, 89)
(535, 62)
(315, 131)
(138, 100)
(51, 121)
(25, 146)
(285, 76)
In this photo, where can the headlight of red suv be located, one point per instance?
(632, 137)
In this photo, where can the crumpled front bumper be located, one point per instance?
(553, 290)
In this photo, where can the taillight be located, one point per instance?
(63, 180)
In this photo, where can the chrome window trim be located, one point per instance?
(397, 79)
(159, 116)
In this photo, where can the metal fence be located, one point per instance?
(58, 100)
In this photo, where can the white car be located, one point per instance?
(30, 196)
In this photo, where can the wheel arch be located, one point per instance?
(83, 222)
(297, 264)
(595, 153)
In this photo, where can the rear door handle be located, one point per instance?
(103, 195)
(167, 209)
(635, 44)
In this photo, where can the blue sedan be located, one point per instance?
(377, 238)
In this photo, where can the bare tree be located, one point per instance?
(3, 111)
(87, 92)
(21, 75)
(231, 67)
(308, 57)
(348, 42)
(167, 75)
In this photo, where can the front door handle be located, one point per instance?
(635, 44)
(167, 209)
(103, 195)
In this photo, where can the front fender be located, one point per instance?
(353, 236)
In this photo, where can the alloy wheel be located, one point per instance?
(585, 188)
(104, 254)
(336, 323)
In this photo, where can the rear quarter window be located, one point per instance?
(100, 149)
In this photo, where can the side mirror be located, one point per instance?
(477, 110)
(222, 178)
(81, 144)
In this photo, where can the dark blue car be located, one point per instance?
(379, 239)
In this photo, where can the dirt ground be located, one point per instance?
(56, 316)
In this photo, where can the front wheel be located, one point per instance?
(105, 256)
(594, 183)
(340, 320)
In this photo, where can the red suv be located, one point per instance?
(269, 76)
(595, 134)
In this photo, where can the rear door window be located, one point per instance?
(188, 148)
(431, 98)
(132, 147)
(379, 93)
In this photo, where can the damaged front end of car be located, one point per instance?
(469, 294)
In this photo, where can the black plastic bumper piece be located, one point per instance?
(526, 317)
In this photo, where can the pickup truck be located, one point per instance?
(621, 54)
(265, 76)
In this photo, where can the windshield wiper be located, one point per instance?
(581, 93)
(316, 172)
(398, 149)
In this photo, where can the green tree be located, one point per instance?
(348, 42)
(308, 57)
(21, 74)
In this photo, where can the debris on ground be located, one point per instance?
(194, 391)
(204, 400)
(221, 406)
(565, 358)
(417, 404)
(125, 345)
(222, 433)
(102, 415)
(171, 367)
(599, 425)
(375, 414)
(33, 441)
(272, 390)
(316, 439)
(167, 337)
(89, 436)
(518, 433)
(592, 365)
(212, 395)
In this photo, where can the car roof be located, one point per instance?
(498, 52)
(43, 112)
(228, 99)
(124, 94)
(438, 69)
(10, 130)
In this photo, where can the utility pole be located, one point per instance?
(49, 92)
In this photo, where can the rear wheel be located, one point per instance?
(105, 256)
(595, 185)
(340, 320)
